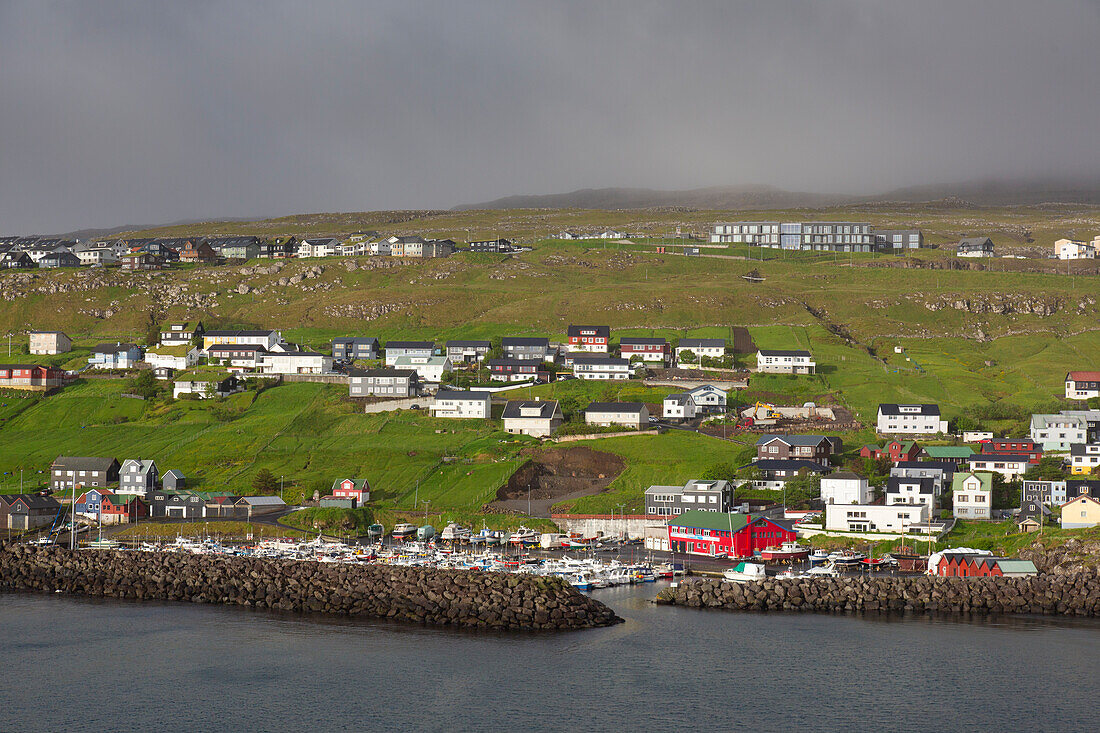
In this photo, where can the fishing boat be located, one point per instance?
(581, 581)
(455, 533)
(524, 536)
(790, 574)
(822, 571)
(818, 556)
(403, 531)
(786, 552)
(847, 559)
(668, 570)
(745, 572)
(425, 533)
(375, 531)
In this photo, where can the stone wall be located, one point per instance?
(1075, 593)
(471, 599)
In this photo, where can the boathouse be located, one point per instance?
(699, 532)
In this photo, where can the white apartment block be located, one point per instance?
(874, 517)
(910, 420)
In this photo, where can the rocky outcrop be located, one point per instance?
(470, 599)
(1075, 593)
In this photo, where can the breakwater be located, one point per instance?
(470, 599)
(1075, 593)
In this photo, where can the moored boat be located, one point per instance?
(403, 531)
(745, 572)
(425, 533)
(785, 553)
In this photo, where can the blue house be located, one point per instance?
(90, 502)
(115, 356)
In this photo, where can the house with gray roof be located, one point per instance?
(785, 361)
(383, 383)
(628, 414)
(173, 480)
(539, 418)
(137, 476)
(67, 472)
(458, 404)
(525, 347)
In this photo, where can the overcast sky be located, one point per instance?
(143, 113)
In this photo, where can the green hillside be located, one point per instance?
(993, 344)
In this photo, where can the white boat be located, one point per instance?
(745, 572)
(822, 571)
(818, 556)
(524, 536)
(455, 533)
(403, 531)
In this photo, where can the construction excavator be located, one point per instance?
(764, 411)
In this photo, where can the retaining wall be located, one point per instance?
(464, 598)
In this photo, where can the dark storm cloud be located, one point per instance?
(148, 112)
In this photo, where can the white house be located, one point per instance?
(714, 348)
(628, 414)
(383, 248)
(540, 418)
(785, 361)
(263, 338)
(448, 403)
(428, 368)
(295, 362)
(845, 487)
(205, 384)
(172, 357)
(96, 256)
(678, 407)
(1082, 385)
(909, 491)
(600, 367)
(320, 247)
(910, 419)
(1008, 465)
(708, 399)
(874, 517)
(1058, 431)
(972, 495)
(1070, 249)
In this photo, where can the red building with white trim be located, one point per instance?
(698, 532)
(590, 338)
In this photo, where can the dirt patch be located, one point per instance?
(742, 341)
(556, 475)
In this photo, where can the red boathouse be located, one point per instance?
(698, 532)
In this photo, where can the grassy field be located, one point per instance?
(162, 531)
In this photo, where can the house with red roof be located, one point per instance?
(1082, 385)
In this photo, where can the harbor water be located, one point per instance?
(79, 664)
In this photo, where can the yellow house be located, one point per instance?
(1084, 511)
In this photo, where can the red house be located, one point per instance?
(646, 349)
(121, 508)
(698, 532)
(1015, 446)
(34, 377)
(590, 338)
(895, 450)
(352, 488)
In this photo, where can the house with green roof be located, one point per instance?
(895, 450)
(957, 454)
(972, 495)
